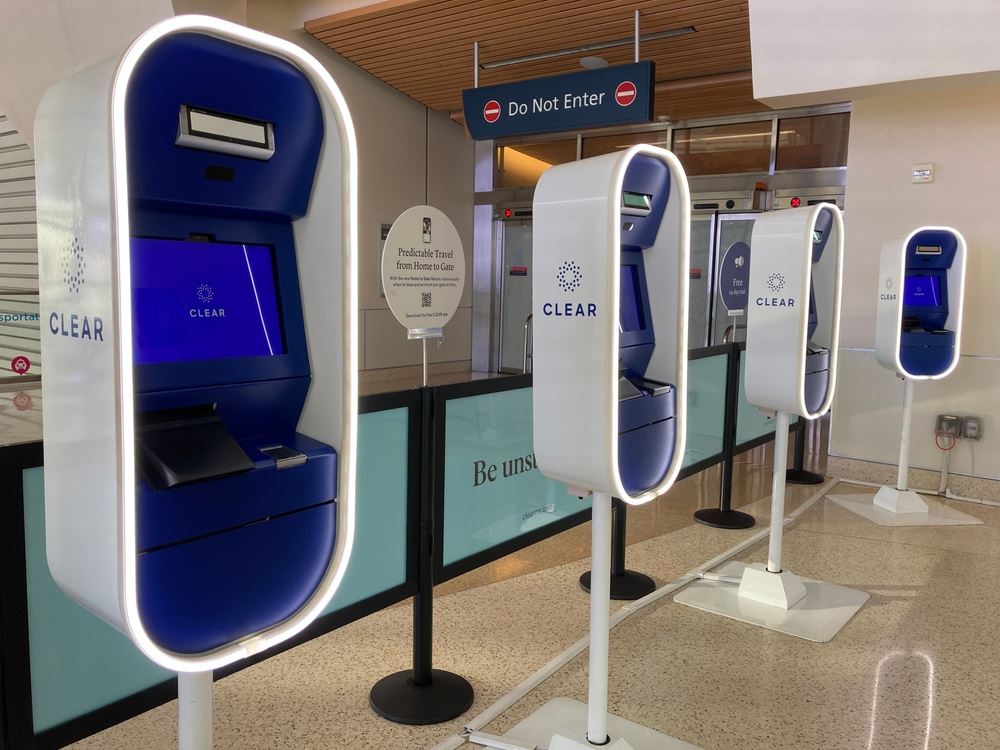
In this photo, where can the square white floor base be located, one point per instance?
(937, 513)
(568, 717)
(818, 616)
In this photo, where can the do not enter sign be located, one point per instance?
(625, 93)
(491, 112)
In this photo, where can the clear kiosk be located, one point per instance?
(197, 219)
(793, 330)
(610, 296)
(918, 332)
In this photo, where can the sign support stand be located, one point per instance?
(423, 334)
(600, 617)
(194, 710)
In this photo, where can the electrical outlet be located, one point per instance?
(972, 428)
(948, 424)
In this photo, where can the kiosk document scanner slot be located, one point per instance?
(220, 479)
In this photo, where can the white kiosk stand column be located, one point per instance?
(918, 332)
(793, 330)
(610, 295)
(197, 250)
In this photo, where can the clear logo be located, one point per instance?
(205, 293)
(775, 282)
(73, 266)
(569, 276)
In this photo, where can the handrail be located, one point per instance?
(529, 345)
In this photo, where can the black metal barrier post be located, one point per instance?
(626, 585)
(423, 695)
(724, 517)
(797, 474)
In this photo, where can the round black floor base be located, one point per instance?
(724, 519)
(626, 587)
(397, 699)
(801, 476)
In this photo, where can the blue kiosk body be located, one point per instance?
(201, 498)
(926, 347)
(817, 377)
(235, 513)
(646, 408)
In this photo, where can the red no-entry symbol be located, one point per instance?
(625, 93)
(491, 112)
(20, 364)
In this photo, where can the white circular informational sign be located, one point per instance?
(423, 268)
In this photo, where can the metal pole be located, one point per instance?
(902, 478)
(637, 35)
(600, 615)
(194, 710)
(618, 527)
(778, 493)
(475, 65)
(425, 362)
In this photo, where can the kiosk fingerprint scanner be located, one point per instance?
(230, 160)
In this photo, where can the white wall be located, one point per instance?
(957, 130)
(812, 52)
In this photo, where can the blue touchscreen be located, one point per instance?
(922, 291)
(630, 315)
(203, 300)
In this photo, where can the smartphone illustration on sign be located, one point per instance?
(427, 229)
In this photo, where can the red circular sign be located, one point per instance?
(22, 401)
(625, 93)
(20, 364)
(491, 111)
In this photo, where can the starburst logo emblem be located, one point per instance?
(205, 293)
(888, 282)
(73, 265)
(775, 282)
(569, 276)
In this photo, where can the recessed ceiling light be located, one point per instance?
(592, 62)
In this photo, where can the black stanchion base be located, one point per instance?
(801, 476)
(397, 699)
(626, 587)
(724, 519)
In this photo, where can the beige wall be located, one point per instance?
(956, 129)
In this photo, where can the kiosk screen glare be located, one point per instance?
(203, 300)
(922, 291)
(630, 316)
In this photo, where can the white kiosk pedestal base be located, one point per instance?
(936, 514)
(899, 501)
(561, 724)
(818, 616)
(777, 600)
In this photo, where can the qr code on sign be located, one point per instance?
(425, 299)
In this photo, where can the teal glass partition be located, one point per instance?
(706, 416)
(493, 493)
(79, 663)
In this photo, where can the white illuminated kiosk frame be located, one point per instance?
(793, 329)
(610, 298)
(92, 136)
(918, 335)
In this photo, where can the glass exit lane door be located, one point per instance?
(702, 264)
(730, 229)
(515, 291)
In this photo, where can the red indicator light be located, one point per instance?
(795, 202)
(507, 213)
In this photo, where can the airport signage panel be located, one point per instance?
(618, 95)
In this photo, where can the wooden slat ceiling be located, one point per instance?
(424, 47)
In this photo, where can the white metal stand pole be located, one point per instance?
(425, 362)
(902, 478)
(600, 615)
(778, 492)
(194, 710)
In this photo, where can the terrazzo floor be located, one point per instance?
(916, 668)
